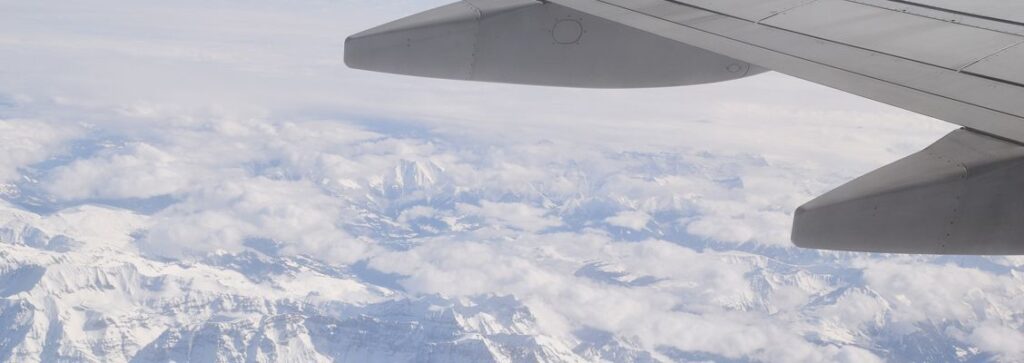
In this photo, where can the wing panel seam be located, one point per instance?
(938, 9)
(786, 10)
(681, 3)
(958, 12)
(982, 59)
(986, 108)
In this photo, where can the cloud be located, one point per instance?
(921, 292)
(244, 115)
(136, 170)
(224, 216)
(1005, 342)
(515, 215)
(634, 220)
(25, 142)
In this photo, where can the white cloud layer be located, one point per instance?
(137, 170)
(194, 132)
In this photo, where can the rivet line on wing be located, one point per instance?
(979, 60)
(783, 11)
(476, 39)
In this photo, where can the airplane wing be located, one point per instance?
(959, 61)
(965, 70)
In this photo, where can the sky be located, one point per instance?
(656, 214)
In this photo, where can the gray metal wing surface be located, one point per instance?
(962, 69)
(959, 61)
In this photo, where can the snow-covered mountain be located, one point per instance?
(72, 291)
(77, 287)
(204, 181)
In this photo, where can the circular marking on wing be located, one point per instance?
(567, 31)
(733, 68)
